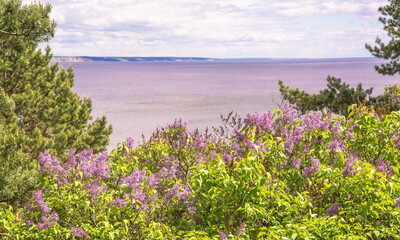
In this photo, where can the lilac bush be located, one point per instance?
(281, 174)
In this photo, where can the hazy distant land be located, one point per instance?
(127, 59)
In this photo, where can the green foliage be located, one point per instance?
(337, 97)
(38, 109)
(390, 51)
(282, 176)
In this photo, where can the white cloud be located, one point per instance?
(215, 28)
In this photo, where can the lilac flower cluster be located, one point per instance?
(175, 191)
(222, 235)
(40, 201)
(314, 121)
(349, 169)
(78, 232)
(296, 163)
(263, 122)
(241, 229)
(333, 209)
(50, 164)
(120, 202)
(94, 169)
(337, 144)
(289, 115)
(48, 217)
(130, 143)
(294, 138)
(135, 179)
(89, 164)
(314, 167)
(383, 166)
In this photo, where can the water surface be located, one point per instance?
(137, 97)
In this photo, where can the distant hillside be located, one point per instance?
(127, 59)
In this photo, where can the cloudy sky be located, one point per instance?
(215, 28)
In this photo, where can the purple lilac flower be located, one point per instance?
(296, 163)
(337, 126)
(79, 232)
(135, 179)
(227, 159)
(295, 137)
(261, 145)
(174, 191)
(383, 166)
(333, 209)
(53, 217)
(398, 203)
(263, 122)
(337, 144)
(154, 181)
(130, 142)
(40, 225)
(100, 168)
(71, 160)
(200, 142)
(192, 209)
(289, 114)
(241, 229)
(315, 121)
(139, 195)
(30, 222)
(350, 131)
(49, 163)
(85, 158)
(120, 202)
(40, 201)
(222, 235)
(315, 163)
(314, 167)
(95, 188)
(179, 123)
(90, 165)
(184, 195)
(350, 163)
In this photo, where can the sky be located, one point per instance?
(215, 28)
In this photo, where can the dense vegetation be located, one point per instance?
(38, 109)
(283, 174)
(280, 175)
(339, 96)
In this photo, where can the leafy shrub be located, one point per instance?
(282, 175)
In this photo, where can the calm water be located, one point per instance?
(137, 97)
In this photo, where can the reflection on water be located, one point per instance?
(137, 97)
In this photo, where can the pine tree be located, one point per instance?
(390, 51)
(38, 104)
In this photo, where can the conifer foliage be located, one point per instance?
(338, 96)
(390, 51)
(38, 109)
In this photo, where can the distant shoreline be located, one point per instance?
(180, 59)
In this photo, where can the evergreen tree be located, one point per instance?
(39, 109)
(337, 97)
(390, 51)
